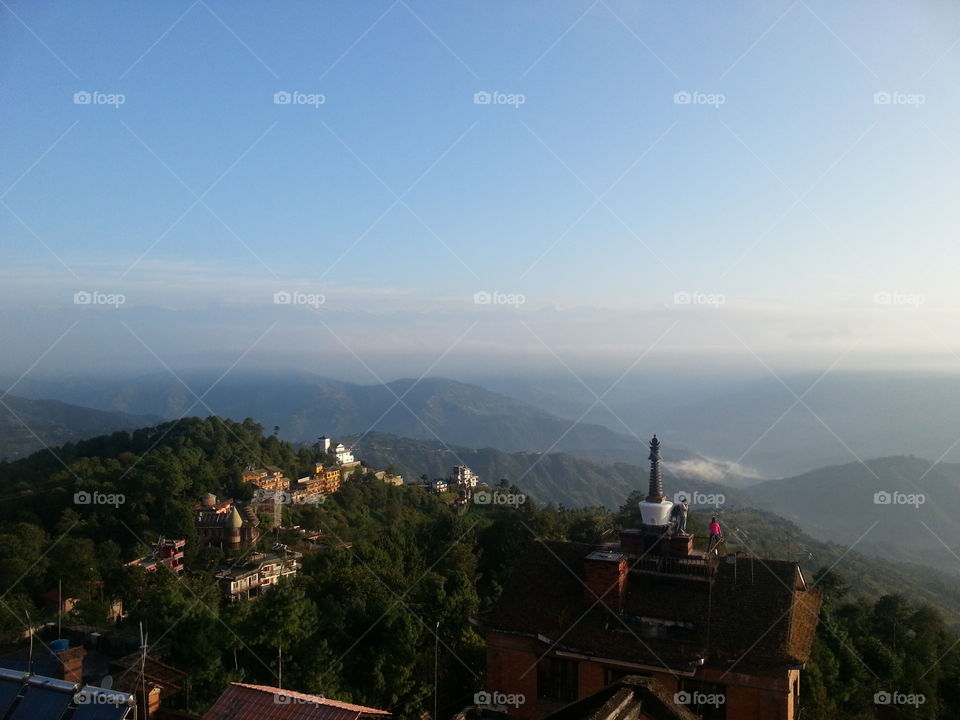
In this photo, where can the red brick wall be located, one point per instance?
(71, 664)
(511, 668)
(606, 580)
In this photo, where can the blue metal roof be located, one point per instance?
(45, 698)
(33, 697)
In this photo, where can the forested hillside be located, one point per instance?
(913, 502)
(400, 576)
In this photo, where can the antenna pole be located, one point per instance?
(143, 679)
(30, 656)
(436, 656)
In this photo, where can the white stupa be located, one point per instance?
(655, 509)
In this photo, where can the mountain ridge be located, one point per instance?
(27, 425)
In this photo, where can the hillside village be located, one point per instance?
(236, 528)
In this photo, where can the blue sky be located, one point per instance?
(787, 187)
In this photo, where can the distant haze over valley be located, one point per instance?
(729, 429)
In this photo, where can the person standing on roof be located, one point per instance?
(679, 513)
(716, 534)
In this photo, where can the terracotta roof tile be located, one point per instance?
(241, 701)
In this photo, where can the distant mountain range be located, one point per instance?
(27, 425)
(554, 477)
(305, 406)
(910, 504)
(760, 423)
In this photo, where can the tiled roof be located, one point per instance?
(752, 612)
(127, 672)
(260, 702)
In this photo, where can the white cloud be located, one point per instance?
(717, 471)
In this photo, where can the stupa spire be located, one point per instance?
(656, 482)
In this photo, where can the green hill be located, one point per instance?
(901, 508)
(28, 425)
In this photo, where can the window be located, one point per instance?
(557, 679)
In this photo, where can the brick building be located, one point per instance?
(166, 551)
(725, 635)
(225, 524)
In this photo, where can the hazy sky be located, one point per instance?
(726, 183)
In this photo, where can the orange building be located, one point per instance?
(266, 478)
(324, 480)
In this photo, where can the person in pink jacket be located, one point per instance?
(716, 534)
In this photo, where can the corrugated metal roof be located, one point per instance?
(35, 697)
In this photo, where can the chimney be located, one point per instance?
(70, 661)
(605, 577)
(149, 701)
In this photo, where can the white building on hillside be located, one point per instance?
(465, 477)
(343, 453)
